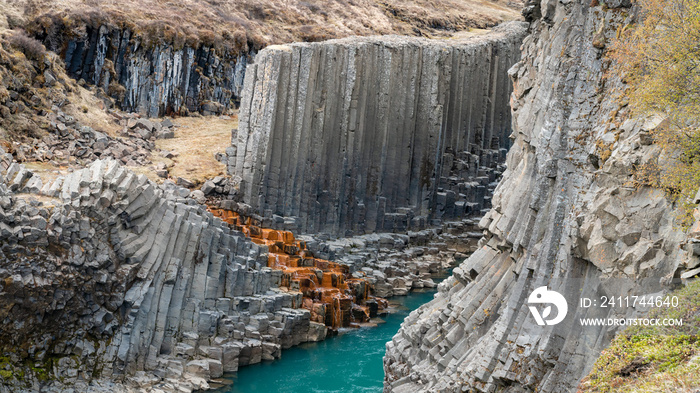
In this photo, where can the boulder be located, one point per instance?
(182, 182)
(208, 187)
(165, 134)
(317, 332)
(167, 123)
(143, 124)
(198, 196)
(199, 368)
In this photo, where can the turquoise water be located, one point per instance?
(348, 363)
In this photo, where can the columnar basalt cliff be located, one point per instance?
(159, 57)
(152, 78)
(111, 283)
(564, 216)
(359, 135)
(112, 278)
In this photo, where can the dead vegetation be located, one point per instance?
(32, 48)
(243, 24)
(32, 82)
(197, 140)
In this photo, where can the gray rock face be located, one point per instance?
(118, 279)
(559, 219)
(393, 263)
(359, 135)
(153, 79)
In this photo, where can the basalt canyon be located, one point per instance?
(189, 191)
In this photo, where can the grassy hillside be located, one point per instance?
(240, 23)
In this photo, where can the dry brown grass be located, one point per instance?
(11, 14)
(243, 23)
(196, 141)
(90, 111)
(46, 171)
(25, 97)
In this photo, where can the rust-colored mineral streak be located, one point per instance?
(330, 294)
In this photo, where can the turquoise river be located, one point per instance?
(348, 363)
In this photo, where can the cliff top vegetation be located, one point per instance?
(659, 58)
(247, 23)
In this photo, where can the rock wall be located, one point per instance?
(564, 216)
(153, 79)
(359, 135)
(108, 277)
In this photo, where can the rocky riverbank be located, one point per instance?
(394, 263)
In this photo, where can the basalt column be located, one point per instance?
(374, 134)
(153, 79)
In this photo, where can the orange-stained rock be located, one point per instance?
(329, 293)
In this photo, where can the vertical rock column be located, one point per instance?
(153, 79)
(370, 134)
